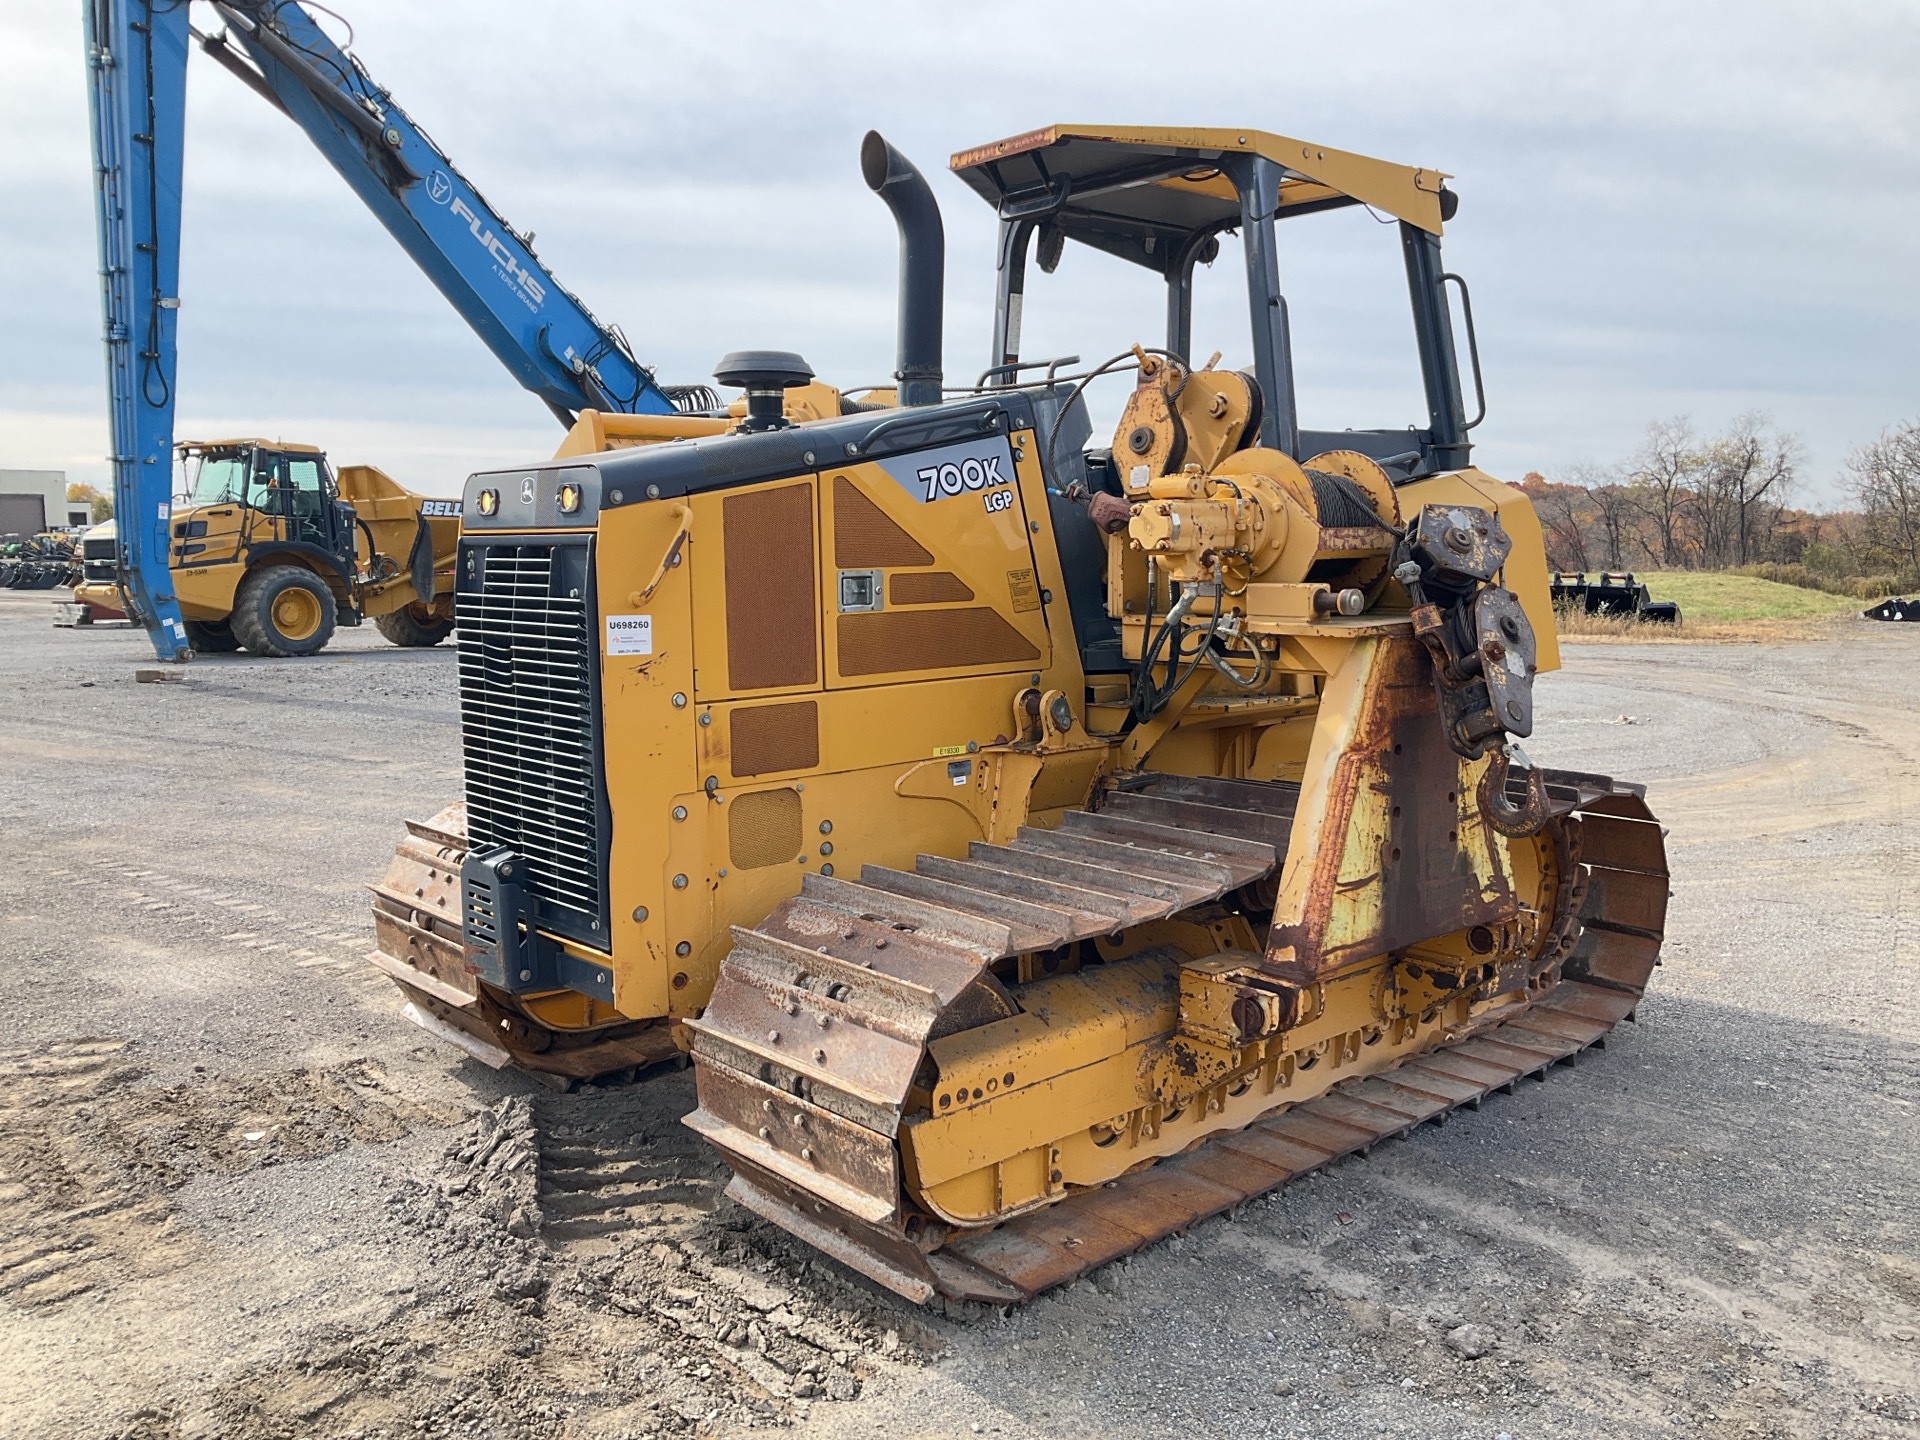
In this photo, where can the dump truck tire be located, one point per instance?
(414, 626)
(283, 610)
(212, 637)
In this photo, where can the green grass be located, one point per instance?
(1712, 597)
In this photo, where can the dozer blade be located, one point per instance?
(815, 1070)
(420, 947)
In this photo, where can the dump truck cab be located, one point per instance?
(249, 501)
(270, 549)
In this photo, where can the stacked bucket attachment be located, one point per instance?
(813, 1056)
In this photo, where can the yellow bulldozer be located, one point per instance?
(1038, 844)
(271, 551)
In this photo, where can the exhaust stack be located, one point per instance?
(923, 265)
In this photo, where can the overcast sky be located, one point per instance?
(1665, 208)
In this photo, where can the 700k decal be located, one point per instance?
(949, 478)
(980, 467)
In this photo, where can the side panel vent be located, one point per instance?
(930, 640)
(927, 587)
(772, 605)
(765, 738)
(865, 537)
(763, 828)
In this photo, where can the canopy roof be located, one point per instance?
(253, 440)
(1139, 191)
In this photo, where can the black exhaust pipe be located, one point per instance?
(923, 265)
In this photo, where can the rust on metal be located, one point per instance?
(1397, 786)
(421, 948)
(845, 1194)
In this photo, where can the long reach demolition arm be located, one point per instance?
(137, 55)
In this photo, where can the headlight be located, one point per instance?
(569, 499)
(489, 501)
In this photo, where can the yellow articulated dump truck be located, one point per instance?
(271, 551)
(1040, 840)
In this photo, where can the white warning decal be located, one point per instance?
(629, 634)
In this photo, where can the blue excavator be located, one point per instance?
(137, 56)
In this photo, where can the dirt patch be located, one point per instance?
(600, 1324)
(90, 1153)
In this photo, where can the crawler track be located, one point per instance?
(809, 1055)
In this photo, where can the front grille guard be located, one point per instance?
(530, 730)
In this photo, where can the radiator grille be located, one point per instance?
(528, 720)
(99, 560)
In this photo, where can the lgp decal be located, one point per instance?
(974, 467)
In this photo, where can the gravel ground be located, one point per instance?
(240, 1196)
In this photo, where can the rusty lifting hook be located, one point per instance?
(1514, 821)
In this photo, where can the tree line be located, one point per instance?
(1687, 501)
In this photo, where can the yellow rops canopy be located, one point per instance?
(1138, 191)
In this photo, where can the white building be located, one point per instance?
(36, 500)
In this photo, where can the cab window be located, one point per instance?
(218, 479)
